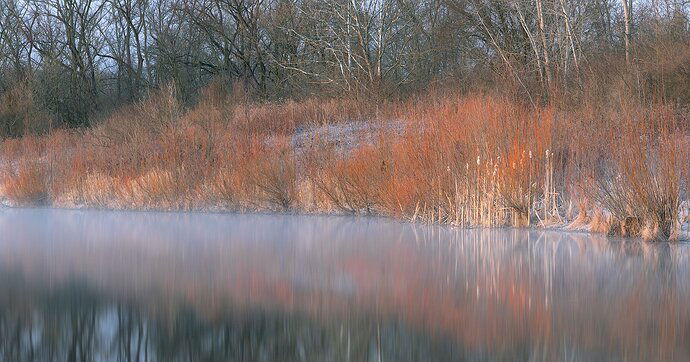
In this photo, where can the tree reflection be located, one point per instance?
(76, 324)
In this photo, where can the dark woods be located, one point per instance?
(71, 62)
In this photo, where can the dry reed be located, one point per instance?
(463, 160)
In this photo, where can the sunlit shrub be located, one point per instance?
(469, 160)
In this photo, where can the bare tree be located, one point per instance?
(627, 16)
(90, 56)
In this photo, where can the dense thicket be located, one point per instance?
(70, 62)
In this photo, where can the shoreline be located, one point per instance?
(684, 236)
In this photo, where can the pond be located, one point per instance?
(139, 286)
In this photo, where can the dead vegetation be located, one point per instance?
(641, 183)
(463, 160)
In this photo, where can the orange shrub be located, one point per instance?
(477, 160)
(352, 183)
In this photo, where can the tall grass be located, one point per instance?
(28, 184)
(641, 183)
(443, 158)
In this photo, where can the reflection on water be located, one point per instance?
(96, 285)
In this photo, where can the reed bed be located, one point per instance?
(463, 160)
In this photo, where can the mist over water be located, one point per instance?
(135, 286)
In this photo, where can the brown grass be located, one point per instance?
(351, 183)
(28, 184)
(464, 160)
(642, 182)
(271, 173)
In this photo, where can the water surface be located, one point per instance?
(132, 286)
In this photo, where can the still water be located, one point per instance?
(128, 286)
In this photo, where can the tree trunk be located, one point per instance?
(627, 8)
